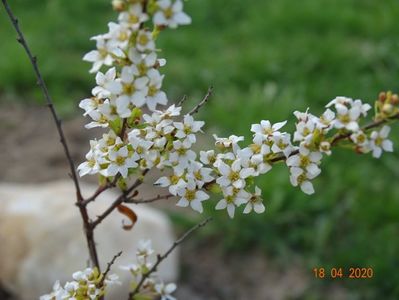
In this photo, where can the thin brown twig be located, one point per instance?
(99, 191)
(40, 81)
(119, 200)
(203, 101)
(161, 258)
(182, 100)
(108, 269)
(157, 198)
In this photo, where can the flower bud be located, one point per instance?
(382, 96)
(395, 99)
(387, 108)
(118, 5)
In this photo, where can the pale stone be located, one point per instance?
(41, 237)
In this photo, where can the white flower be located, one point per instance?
(91, 166)
(188, 128)
(304, 129)
(103, 55)
(90, 104)
(174, 182)
(133, 268)
(265, 129)
(254, 157)
(198, 173)
(192, 197)
(58, 293)
(171, 111)
(255, 202)
(233, 175)
(107, 84)
(361, 141)
(182, 153)
(171, 14)
(348, 112)
(208, 157)
(118, 35)
(232, 199)
(142, 62)
(134, 91)
(144, 249)
(134, 16)
(120, 162)
(230, 142)
(340, 100)
(302, 178)
(325, 147)
(165, 291)
(306, 160)
(155, 96)
(141, 146)
(325, 121)
(282, 143)
(347, 117)
(363, 107)
(379, 141)
(108, 142)
(112, 279)
(144, 41)
(101, 116)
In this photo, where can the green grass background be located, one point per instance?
(265, 59)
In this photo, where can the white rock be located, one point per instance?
(41, 237)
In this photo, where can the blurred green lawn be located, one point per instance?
(265, 59)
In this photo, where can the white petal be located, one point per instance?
(183, 202)
(230, 210)
(259, 208)
(222, 204)
(248, 208)
(387, 145)
(197, 206)
(307, 187)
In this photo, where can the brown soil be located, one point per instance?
(31, 152)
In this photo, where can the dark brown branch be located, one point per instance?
(40, 81)
(161, 258)
(119, 200)
(109, 265)
(203, 102)
(157, 198)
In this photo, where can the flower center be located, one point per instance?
(129, 89)
(234, 176)
(143, 39)
(190, 195)
(133, 19)
(152, 90)
(120, 160)
(378, 141)
(344, 119)
(168, 13)
(304, 161)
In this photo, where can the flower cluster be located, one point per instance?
(128, 49)
(87, 284)
(131, 82)
(164, 139)
(152, 287)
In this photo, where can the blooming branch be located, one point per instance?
(149, 270)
